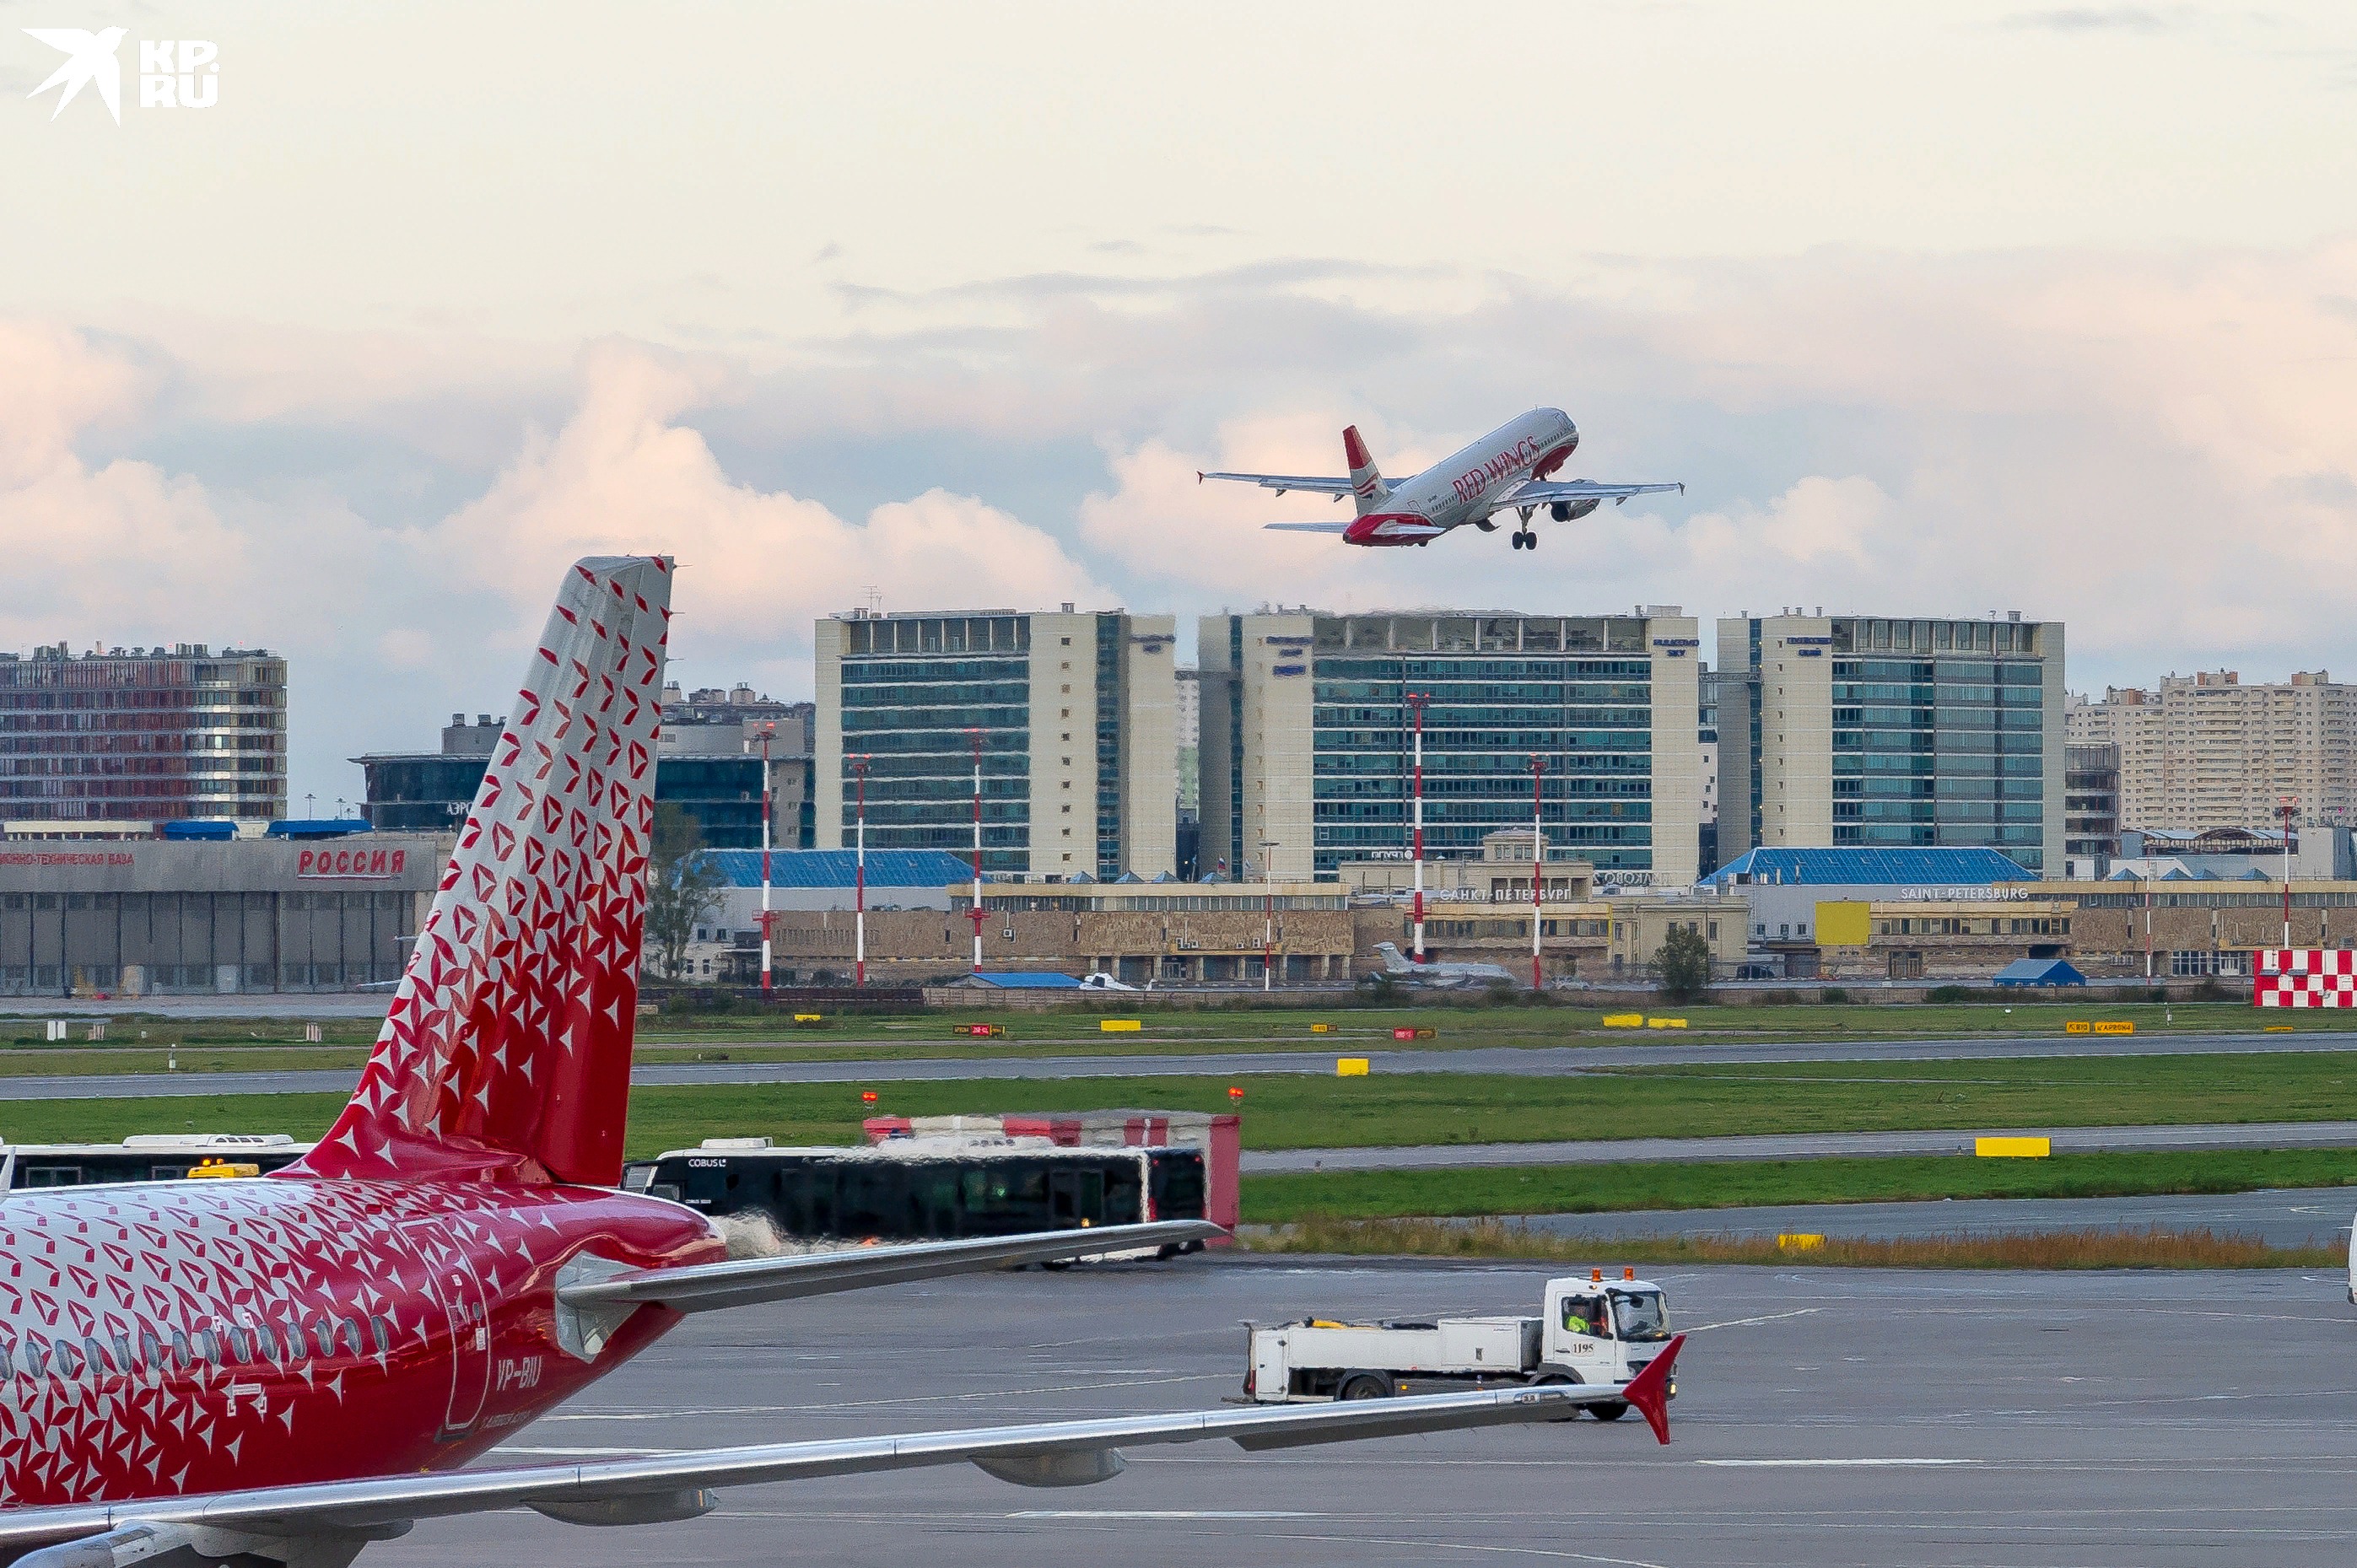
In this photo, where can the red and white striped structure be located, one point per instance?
(2304, 977)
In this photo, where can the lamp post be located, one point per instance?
(768, 730)
(1538, 860)
(859, 874)
(1415, 702)
(1267, 913)
(976, 911)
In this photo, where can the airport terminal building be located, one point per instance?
(151, 917)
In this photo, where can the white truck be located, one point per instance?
(1591, 1331)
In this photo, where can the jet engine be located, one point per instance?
(1564, 511)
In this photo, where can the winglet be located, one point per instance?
(1649, 1390)
(1199, 476)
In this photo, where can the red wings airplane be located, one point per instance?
(1506, 470)
(285, 1368)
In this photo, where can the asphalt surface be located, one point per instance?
(1550, 1061)
(2286, 1217)
(1802, 1146)
(1830, 1417)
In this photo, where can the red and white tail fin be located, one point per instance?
(1366, 484)
(506, 1054)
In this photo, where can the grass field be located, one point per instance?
(1594, 1189)
(1291, 1111)
(2146, 1249)
(751, 1036)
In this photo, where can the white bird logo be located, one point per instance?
(89, 57)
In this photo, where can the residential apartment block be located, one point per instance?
(2206, 751)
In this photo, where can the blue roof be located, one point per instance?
(315, 827)
(2039, 972)
(1928, 868)
(1014, 981)
(836, 867)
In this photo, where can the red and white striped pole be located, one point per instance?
(1538, 861)
(767, 731)
(859, 877)
(1416, 701)
(977, 849)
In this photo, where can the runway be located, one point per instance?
(1545, 1061)
(1802, 1146)
(2286, 1217)
(1830, 1417)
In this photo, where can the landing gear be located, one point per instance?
(1525, 540)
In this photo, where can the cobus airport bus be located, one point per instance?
(922, 1189)
(147, 1156)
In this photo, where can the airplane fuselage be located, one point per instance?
(167, 1337)
(1451, 493)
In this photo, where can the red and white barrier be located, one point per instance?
(2305, 977)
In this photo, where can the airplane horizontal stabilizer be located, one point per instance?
(1307, 527)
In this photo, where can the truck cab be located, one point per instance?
(1602, 1332)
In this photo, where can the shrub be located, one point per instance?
(1950, 994)
(1832, 995)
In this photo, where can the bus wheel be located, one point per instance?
(1613, 1411)
(1365, 1386)
(1058, 1265)
(1169, 1251)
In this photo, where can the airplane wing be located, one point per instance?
(741, 1282)
(1307, 527)
(1281, 483)
(1545, 492)
(663, 1486)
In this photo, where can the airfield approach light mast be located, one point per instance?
(1538, 860)
(1268, 914)
(2286, 807)
(1415, 702)
(768, 731)
(859, 874)
(977, 849)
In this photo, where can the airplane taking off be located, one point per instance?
(285, 1368)
(1440, 976)
(1506, 470)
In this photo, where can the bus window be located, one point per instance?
(1177, 1184)
(709, 1182)
(934, 1199)
(169, 1173)
(52, 1175)
(1123, 1198)
(1006, 1196)
(1075, 1195)
(874, 1198)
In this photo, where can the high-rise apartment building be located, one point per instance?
(2206, 751)
(1075, 714)
(1886, 732)
(1307, 738)
(143, 735)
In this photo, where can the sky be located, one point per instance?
(1937, 310)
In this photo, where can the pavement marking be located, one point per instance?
(1748, 1322)
(1832, 1463)
(1163, 1513)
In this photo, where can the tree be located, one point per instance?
(683, 886)
(1683, 964)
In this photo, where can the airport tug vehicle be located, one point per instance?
(1591, 1331)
